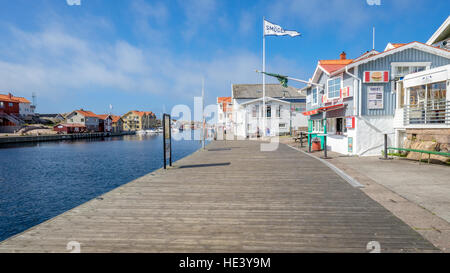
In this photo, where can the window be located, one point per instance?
(279, 111)
(268, 111)
(11, 104)
(82, 120)
(2, 104)
(282, 125)
(401, 71)
(334, 88)
(314, 96)
(317, 126)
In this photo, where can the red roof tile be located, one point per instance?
(11, 98)
(87, 113)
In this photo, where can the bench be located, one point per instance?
(300, 138)
(421, 152)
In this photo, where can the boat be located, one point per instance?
(141, 132)
(151, 132)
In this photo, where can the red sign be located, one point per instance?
(350, 122)
(376, 76)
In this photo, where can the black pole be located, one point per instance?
(325, 146)
(385, 147)
(301, 139)
(164, 140)
(170, 140)
(309, 143)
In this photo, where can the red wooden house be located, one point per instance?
(9, 110)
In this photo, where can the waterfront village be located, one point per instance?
(18, 117)
(402, 92)
(352, 156)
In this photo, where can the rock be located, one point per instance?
(421, 145)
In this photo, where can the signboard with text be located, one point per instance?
(375, 97)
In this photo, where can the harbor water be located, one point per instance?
(42, 180)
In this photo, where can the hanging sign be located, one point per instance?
(376, 76)
(375, 96)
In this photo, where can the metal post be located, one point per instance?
(164, 140)
(170, 140)
(264, 79)
(385, 147)
(325, 147)
(301, 139)
(309, 143)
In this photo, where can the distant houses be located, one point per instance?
(79, 121)
(117, 124)
(138, 120)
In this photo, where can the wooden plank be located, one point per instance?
(229, 198)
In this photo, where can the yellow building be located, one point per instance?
(138, 120)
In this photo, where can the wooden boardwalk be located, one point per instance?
(230, 198)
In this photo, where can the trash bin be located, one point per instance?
(316, 144)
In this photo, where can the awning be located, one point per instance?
(323, 109)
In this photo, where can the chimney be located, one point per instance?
(343, 55)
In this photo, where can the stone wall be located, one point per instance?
(429, 140)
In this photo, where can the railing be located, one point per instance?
(432, 113)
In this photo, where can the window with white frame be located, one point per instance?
(317, 126)
(400, 70)
(334, 88)
(314, 96)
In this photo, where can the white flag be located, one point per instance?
(272, 29)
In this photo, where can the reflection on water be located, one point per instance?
(41, 180)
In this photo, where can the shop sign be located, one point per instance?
(376, 76)
(350, 122)
(375, 96)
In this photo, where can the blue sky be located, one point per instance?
(150, 55)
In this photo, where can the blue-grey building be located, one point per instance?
(356, 101)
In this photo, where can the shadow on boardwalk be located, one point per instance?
(282, 201)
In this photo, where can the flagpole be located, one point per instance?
(264, 80)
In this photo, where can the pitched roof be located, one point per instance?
(22, 100)
(103, 116)
(416, 45)
(115, 118)
(8, 98)
(441, 33)
(255, 91)
(86, 113)
(332, 65)
(393, 45)
(150, 113)
(11, 98)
